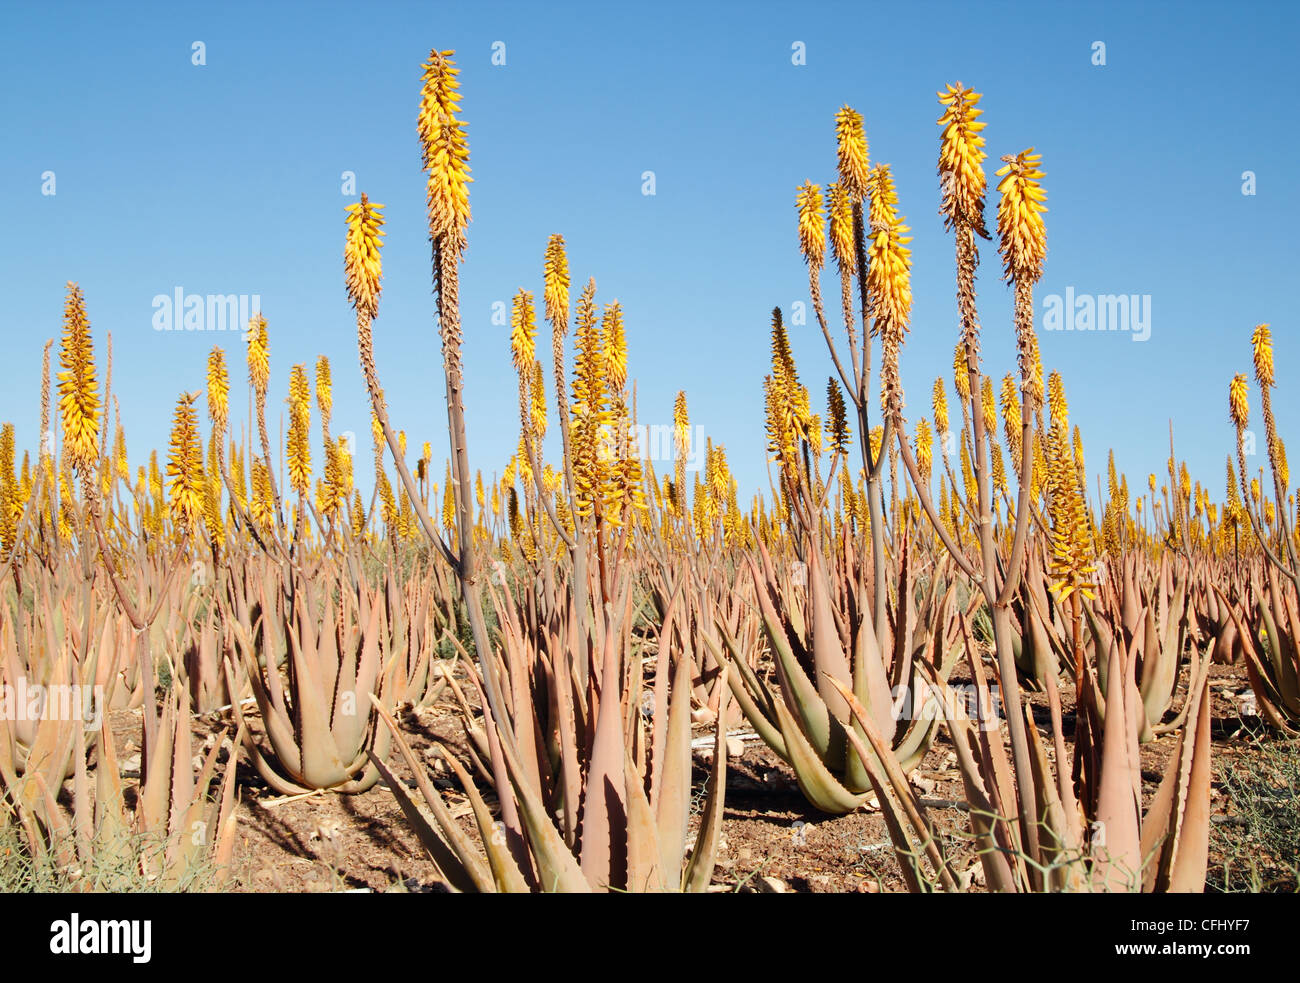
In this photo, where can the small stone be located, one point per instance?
(703, 716)
(771, 885)
(735, 747)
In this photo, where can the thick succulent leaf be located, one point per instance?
(699, 872)
(504, 869)
(1116, 840)
(455, 856)
(820, 787)
(321, 765)
(672, 807)
(899, 785)
(645, 866)
(797, 688)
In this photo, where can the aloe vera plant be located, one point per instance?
(818, 647)
(173, 836)
(318, 725)
(603, 798)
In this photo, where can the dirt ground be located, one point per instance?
(772, 839)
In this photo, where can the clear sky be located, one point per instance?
(227, 178)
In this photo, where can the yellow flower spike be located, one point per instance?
(889, 275)
(837, 426)
(324, 387)
(590, 400)
(119, 454)
(1238, 407)
(538, 393)
(968, 475)
(259, 356)
(812, 225)
(445, 151)
(1022, 235)
(882, 210)
(523, 331)
(1261, 342)
(185, 466)
(988, 406)
(851, 153)
(1013, 424)
(298, 442)
(78, 394)
(10, 504)
(343, 460)
(940, 408)
(961, 374)
(840, 211)
(1057, 406)
(889, 286)
(362, 266)
(681, 425)
(999, 471)
(514, 519)
(260, 507)
(449, 502)
(720, 479)
(155, 477)
(555, 276)
(218, 389)
(924, 449)
(1071, 564)
(961, 157)
(615, 346)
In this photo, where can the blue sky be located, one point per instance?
(227, 178)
